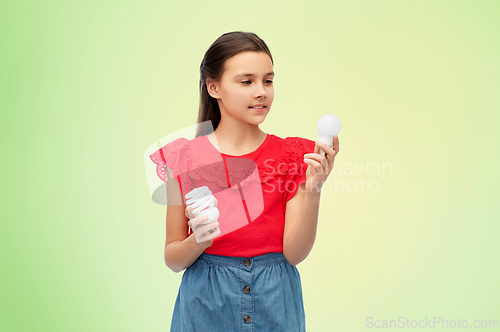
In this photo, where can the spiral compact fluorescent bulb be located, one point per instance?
(328, 126)
(203, 203)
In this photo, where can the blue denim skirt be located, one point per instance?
(220, 293)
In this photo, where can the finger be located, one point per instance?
(316, 166)
(327, 148)
(210, 236)
(191, 215)
(332, 153)
(216, 202)
(313, 156)
(326, 158)
(205, 228)
(336, 144)
(321, 159)
(214, 234)
(198, 220)
(325, 162)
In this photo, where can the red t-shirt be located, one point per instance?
(252, 189)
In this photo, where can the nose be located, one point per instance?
(261, 92)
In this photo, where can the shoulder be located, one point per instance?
(175, 155)
(170, 151)
(299, 144)
(293, 145)
(285, 154)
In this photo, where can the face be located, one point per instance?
(246, 82)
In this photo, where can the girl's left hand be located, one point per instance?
(320, 166)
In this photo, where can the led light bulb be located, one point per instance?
(328, 126)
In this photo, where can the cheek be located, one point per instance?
(233, 97)
(270, 95)
(239, 96)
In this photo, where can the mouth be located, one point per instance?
(258, 108)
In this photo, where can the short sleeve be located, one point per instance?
(175, 155)
(295, 149)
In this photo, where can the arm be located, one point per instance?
(181, 251)
(301, 220)
(301, 216)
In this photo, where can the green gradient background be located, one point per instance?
(87, 87)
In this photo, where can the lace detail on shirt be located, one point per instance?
(169, 155)
(295, 148)
(177, 156)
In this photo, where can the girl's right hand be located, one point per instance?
(205, 233)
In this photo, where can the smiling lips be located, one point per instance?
(259, 106)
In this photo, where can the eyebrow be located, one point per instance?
(252, 75)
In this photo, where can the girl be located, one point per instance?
(240, 273)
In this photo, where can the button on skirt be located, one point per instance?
(220, 293)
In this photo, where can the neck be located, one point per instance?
(238, 138)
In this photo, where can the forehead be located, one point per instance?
(257, 63)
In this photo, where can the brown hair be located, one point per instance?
(212, 66)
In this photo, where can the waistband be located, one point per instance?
(267, 259)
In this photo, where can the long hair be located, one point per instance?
(212, 66)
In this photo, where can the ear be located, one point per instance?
(213, 88)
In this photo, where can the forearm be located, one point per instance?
(180, 255)
(300, 241)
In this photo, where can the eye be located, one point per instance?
(246, 82)
(269, 81)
